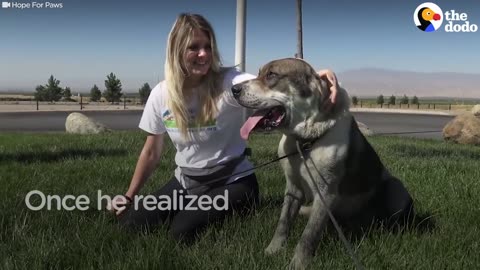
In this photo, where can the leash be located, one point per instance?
(305, 147)
(330, 214)
(252, 169)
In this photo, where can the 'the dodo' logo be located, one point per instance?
(428, 17)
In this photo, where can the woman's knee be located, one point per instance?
(141, 220)
(130, 222)
(187, 225)
(244, 195)
(185, 234)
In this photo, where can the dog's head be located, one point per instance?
(289, 95)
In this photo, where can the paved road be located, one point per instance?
(128, 120)
(412, 125)
(55, 121)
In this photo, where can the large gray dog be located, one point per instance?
(290, 96)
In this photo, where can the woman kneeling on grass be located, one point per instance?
(195, 107)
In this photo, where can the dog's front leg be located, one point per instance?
(293, 199)
(312, 233)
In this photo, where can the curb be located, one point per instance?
(71, 110)
(400, 111)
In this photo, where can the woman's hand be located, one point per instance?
(332, 83)
(119, 204)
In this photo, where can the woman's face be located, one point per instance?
(198, 56)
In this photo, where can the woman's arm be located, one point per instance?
(324, 73)
(146, 164)
(147, 161)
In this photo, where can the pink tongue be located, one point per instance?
(250, 124)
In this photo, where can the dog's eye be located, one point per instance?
(271, 75)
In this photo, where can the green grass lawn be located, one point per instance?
(443, 178)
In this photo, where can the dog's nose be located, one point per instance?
(237, 90)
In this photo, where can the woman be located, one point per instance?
(195, 107)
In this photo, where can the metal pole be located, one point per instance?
(299, 30)
(240, 35)
(240, 38)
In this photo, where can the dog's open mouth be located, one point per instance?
(266, 120)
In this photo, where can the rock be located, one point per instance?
(476, 110)
(78, 123)
(463, 129)
(364, 129)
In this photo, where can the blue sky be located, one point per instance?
(86, 40)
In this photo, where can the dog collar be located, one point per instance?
(306, 145)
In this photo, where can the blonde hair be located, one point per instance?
(176, 73)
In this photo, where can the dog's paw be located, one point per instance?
(299, 262)
(275, 246)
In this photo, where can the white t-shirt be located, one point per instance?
(213, 143)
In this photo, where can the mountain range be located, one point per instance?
(373, 82)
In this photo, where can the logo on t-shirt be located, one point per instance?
(194, 124)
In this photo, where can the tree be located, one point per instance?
(95, 93)
(67, 94)
(380, 99)
(354, 100)
(144, 92)
(392, 100)
(50, 92)
(414, 100)
(40, 93)
(404, 100)
(113, 89)
(55, 92)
